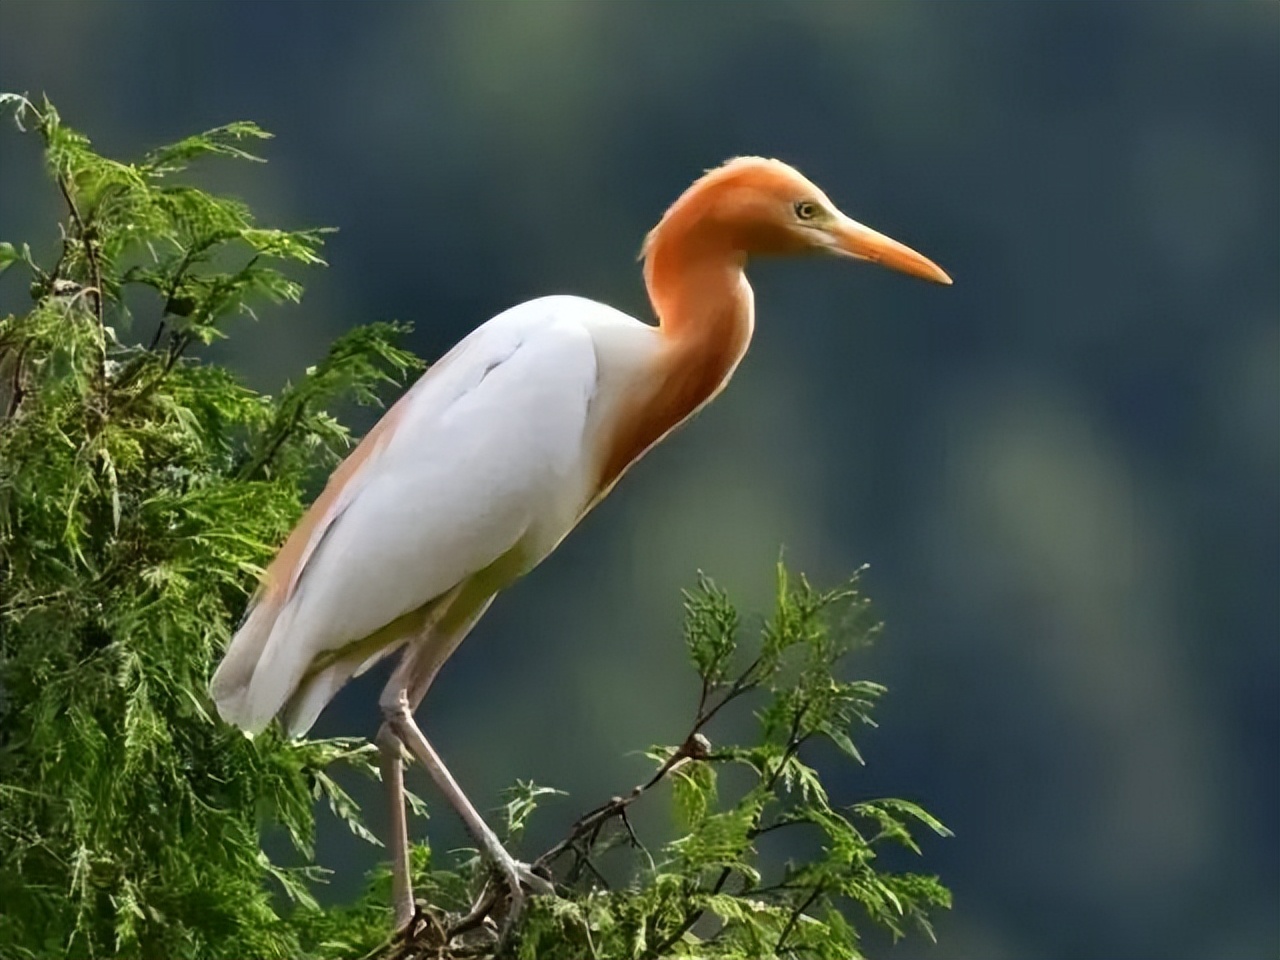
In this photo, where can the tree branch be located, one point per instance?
(589, 825)
(95, 269)
(796, 914)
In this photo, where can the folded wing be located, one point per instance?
(485, 451)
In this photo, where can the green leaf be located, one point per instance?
(710, 629)
(220, 140)
(521, 802)
(694, 791)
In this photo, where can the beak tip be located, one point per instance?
(863, 243)
(931, 271)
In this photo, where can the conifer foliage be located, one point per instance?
(140, 493)
(142, 490)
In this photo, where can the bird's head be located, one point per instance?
(760, 206)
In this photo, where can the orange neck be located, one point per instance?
(704, 305)
(705, 313)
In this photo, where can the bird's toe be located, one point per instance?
(534, 881)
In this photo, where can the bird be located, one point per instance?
(490, 459)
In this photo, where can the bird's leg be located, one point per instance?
(400, 718)
(411, 679)
(408, 685)
(391, 760)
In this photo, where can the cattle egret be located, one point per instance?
(491, 458)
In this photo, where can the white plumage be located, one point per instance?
(488, 458)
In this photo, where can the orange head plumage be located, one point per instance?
(753, 205)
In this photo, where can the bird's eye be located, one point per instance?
(806, 210)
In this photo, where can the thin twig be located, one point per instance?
(95, 269)
(631, 831)
(595, 872)
(183, 265)
(155, 339)
(794, 742)
(248, 471)
(178, 342)
(590, 824)
(796, 914)
(51, 278)
(478, 912)
(778, 825)
(15, 388)
(702, 696)
(744, 684)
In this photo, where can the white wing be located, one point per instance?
(484, 454)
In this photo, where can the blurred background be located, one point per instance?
(1064, 470)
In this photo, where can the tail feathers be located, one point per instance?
(261, 669)
(265, 673)
(232, 680)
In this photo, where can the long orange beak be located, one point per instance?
(854, 240)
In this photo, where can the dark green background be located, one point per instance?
(1063, 470)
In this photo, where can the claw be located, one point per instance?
(518, 876)
(421, 926)
(534, 881)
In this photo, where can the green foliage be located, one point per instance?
(708, 892)
(141, 492)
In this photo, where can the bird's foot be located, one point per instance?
(422, 926)
(517, 877)
(529, 877)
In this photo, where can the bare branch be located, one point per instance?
(590, 824)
